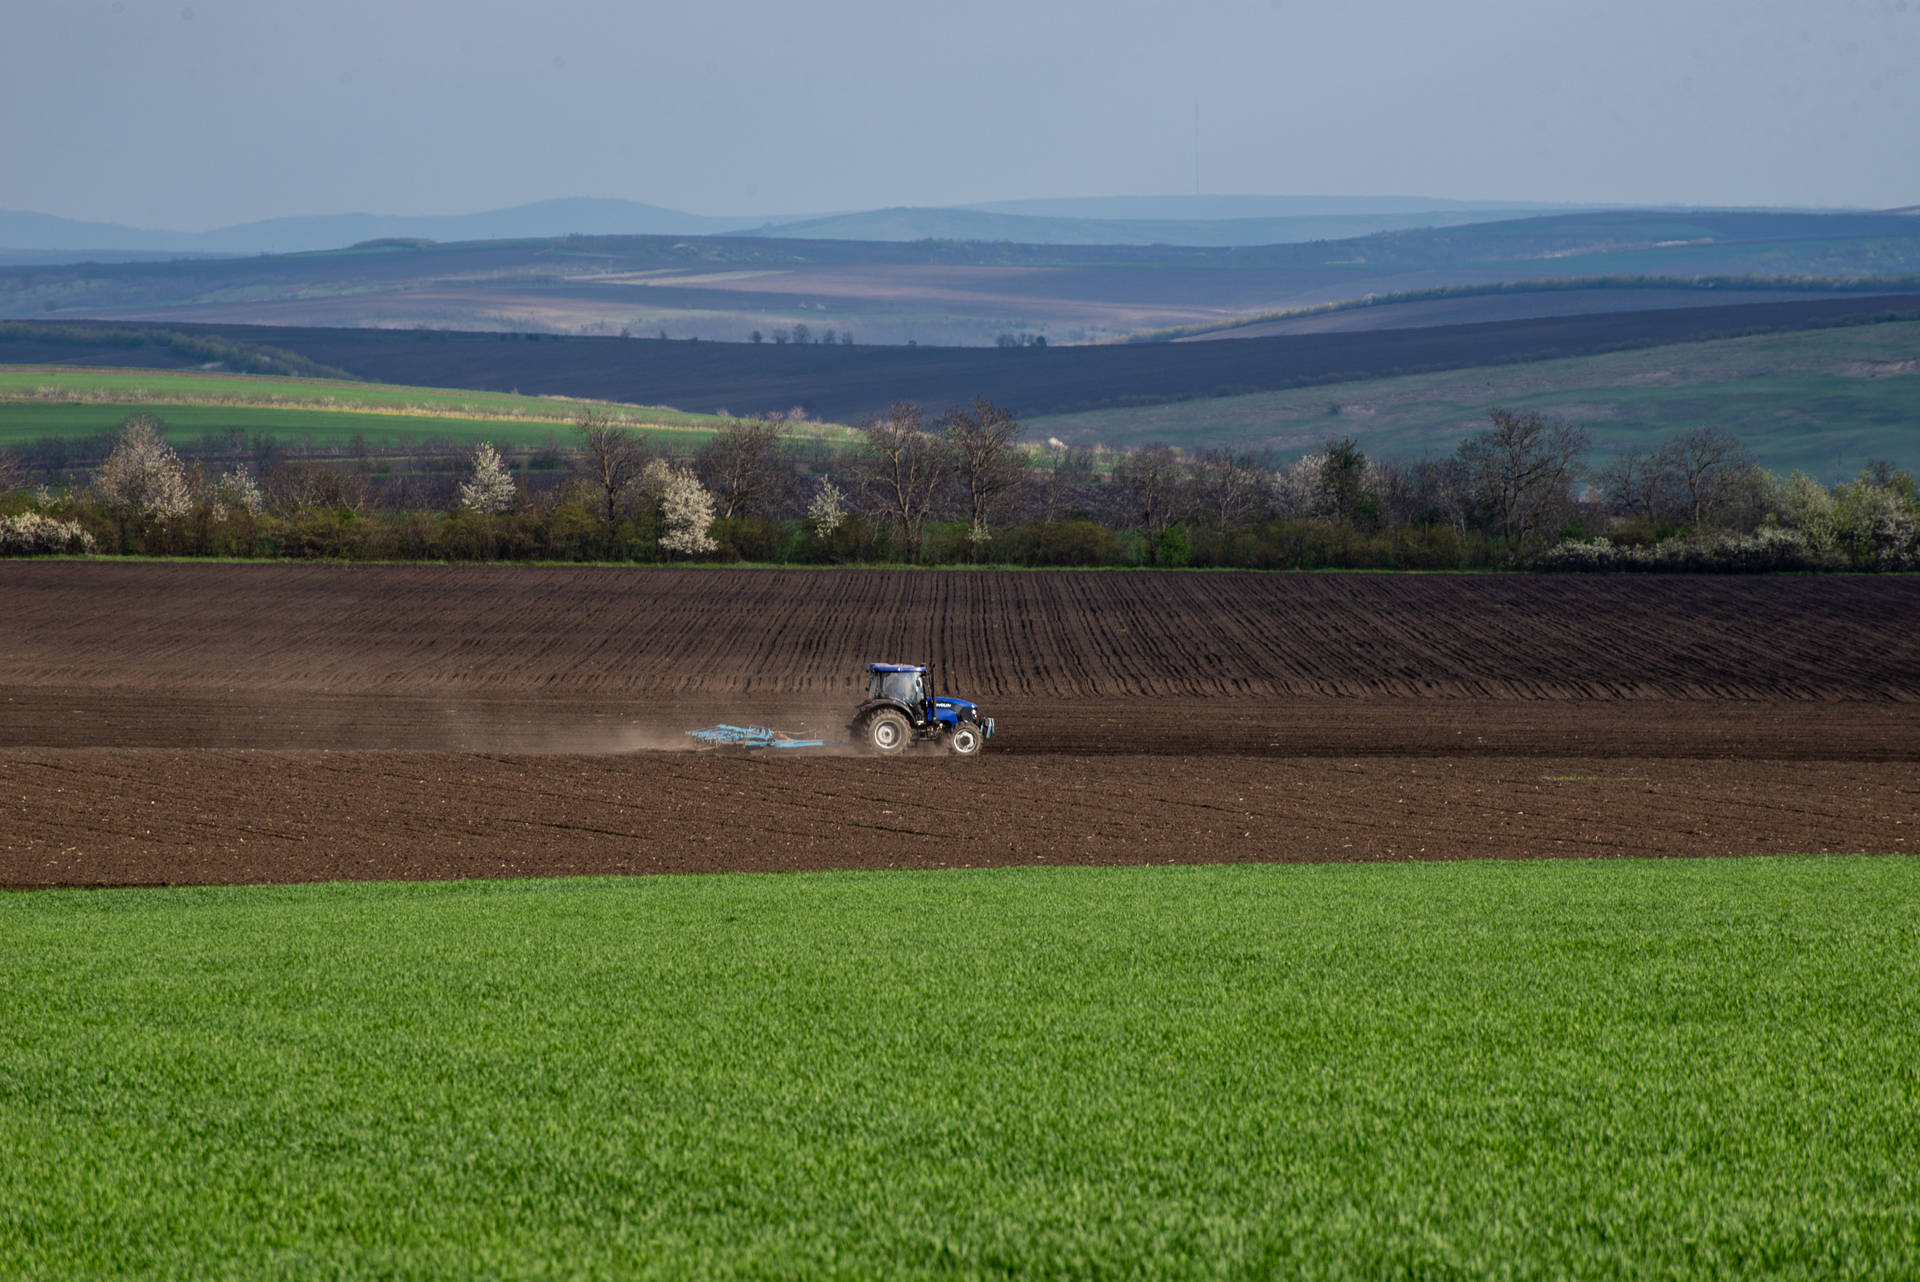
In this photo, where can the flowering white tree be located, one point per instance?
(686, 509)
(828, 509)
(236, 489)
(143, 477)
(490, 489)
(1300, 490)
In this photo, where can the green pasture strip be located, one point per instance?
(1823, 400)
(38, 401)
(1543, 1069)
(159, 386)
(321, 428)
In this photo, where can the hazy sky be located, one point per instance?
(199, 114)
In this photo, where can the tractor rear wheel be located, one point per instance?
(965, 740)
(887, 732)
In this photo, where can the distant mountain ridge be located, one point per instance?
(1186, 208)
(28, 237)
(973, 224)
(586, 216)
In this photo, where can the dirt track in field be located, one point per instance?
(196, 723)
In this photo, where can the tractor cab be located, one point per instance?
(901, 708)
(897, 683)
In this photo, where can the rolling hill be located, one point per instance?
(1028, 229)
(1181, 220)
(959, 293)
(842, 383)
(20, 230)
(1824, 401)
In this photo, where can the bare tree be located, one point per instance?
(1703, 460)
(1067, 481)
(611, 460)
(1446, 487)
(1153, 479)
(987, 462)
(743, 466)
(901, 467)
(1397, 492)
(1638, 483)
(13, 474)
(306, 484)
(1521, 470)
(1229, 487)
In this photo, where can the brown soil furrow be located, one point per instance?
(1251, 726)
(297, 816)
(183, 722)
(659, 632)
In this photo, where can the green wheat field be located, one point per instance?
(1619, 1069)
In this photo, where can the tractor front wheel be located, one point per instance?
(965, 740)
(887, 732)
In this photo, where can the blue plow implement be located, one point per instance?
(726, 736)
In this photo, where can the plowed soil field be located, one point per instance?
(169, 723)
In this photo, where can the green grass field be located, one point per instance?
(40, 402)
(1824, 401)
(1553, 1069)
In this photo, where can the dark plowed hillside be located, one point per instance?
(666, 634)
(844, 383)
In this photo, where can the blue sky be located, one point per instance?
(194, 115)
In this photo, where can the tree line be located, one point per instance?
(964, 487)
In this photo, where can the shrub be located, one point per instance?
(1075, 542)
(1588, 556)
(1768, 550)
(750, 538)
(31, 534)
(1173, 548)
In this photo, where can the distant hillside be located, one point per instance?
(1825, 401)
(1189, 208)
(906, 224)
(56, 257)
(843, 383)
(1112, 220)
(959, 293)
(1177, 220)
(541, 220)
(1517, 300)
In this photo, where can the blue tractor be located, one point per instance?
(901, 709)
